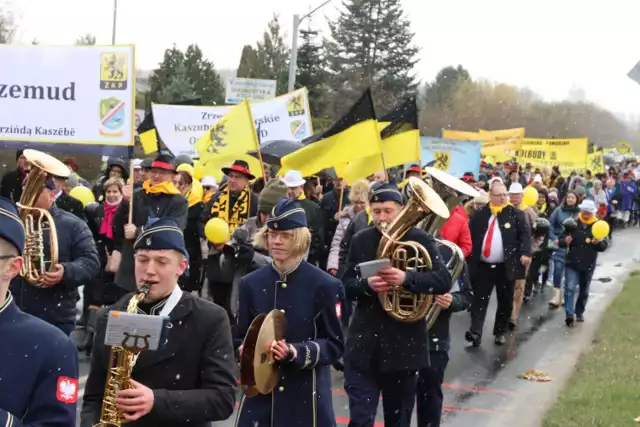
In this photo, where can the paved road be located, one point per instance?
(480, 383)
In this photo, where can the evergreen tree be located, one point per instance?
(440, 92)
(188, 72)
(178, 88)
(371, 46)
(311, 72)
(269, 59)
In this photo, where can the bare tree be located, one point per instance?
(86, 40)
(7, 24)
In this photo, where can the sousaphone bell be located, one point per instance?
(259, 371)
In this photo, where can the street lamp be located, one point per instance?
(297, 20)
(115, 19)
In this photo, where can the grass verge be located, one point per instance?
(604, 390)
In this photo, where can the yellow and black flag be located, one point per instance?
(400, 143)
(353, 136)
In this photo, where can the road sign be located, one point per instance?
(252, 89)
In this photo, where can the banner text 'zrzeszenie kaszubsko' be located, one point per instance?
(286, 117)
(67, 98)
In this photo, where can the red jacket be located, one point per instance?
(456, 230)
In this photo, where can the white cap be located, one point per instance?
(293, 178)
(494, 179)
(137, 163)
(209, 181)
(537, 178)
(516, 188)
(588, 205)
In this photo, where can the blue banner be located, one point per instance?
(451, 155)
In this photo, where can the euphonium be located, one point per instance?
(409, 256)
(36, 220)
(452, 191)
(121, 361)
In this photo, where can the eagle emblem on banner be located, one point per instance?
(442, 159)
(216, 138)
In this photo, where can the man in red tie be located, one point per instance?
(501, 250)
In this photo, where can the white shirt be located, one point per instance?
(497, 250)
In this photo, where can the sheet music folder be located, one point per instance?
(135, 331)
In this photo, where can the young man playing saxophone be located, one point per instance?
(38, 362)
(383, 354)
(190, 379)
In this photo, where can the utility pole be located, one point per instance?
(294, 44)
(115, 20)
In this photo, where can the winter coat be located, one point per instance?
(627, 194)
(193, 281)
(78, 255)
(557, 218)
(346, 216)
(316, 224)
(456, 230)
(330, 204)
(358, 223)
(71, 205)
(582, 252)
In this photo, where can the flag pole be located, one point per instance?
(258, 142)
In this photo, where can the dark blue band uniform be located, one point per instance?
(311, 302)
(383, 192)
(287, 215)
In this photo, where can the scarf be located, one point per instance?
(106, 227)
(542, 208)
(495, 210)
(587, 221)
(302, 196)
(207, 197)
(165, 187)
(239, 211)
(193, 198)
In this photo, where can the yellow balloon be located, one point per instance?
(530, 197)
(199, 171)
(217, 231)
(83, 194)
(600, 229)
(196, 190)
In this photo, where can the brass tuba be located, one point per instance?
(399, 303)
(452, 191)
(121, 361)
(36, 220)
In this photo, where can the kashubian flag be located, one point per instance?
(355, 135)
(227, 140)
(400, 143)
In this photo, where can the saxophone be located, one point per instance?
(121, 361)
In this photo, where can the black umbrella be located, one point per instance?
(273, 151)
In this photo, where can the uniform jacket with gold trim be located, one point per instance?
(310, 300)
(38, 372)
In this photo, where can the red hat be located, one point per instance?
(468, 177)
(483, 164)
(239, 166)
(414, 168)
(163, 161)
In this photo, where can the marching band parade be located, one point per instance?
(247, 286)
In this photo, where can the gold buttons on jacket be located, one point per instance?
(280, 388)
(282, 310)
(283, 285)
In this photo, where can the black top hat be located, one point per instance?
(239, 166)
(163, 161)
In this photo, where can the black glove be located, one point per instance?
(244, 254)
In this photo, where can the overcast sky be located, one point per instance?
(548, 45)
